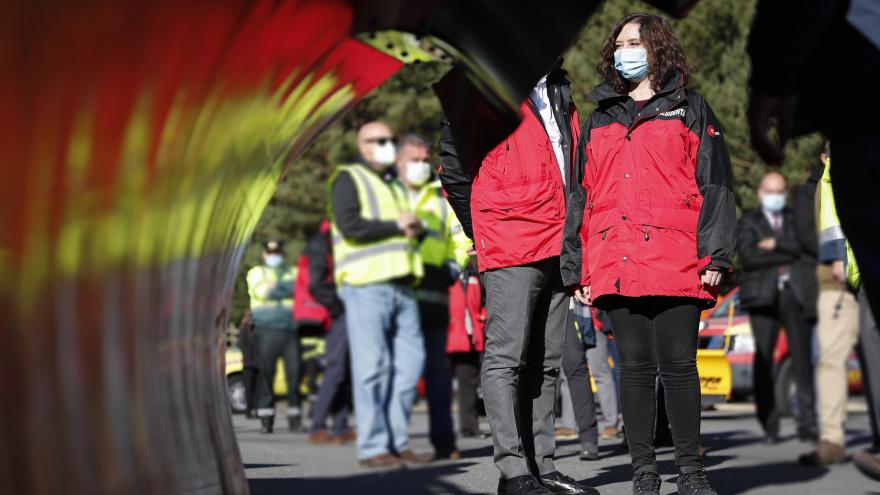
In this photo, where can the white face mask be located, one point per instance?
(384, 154)
(417, 173)
(273, 260)
(772, 202)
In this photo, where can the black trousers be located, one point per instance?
(272, 344)
(766, 323)
(466, 370)
(658, 333)
(250, 376)
(334, 393)
(583, 401)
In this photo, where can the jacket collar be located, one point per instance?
(605, 95)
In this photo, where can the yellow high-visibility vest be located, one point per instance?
(445, 240)
(363, 263)
(829, 225)
(271, 293)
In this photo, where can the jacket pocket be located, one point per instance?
(676, 214)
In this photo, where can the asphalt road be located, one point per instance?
(737, 461)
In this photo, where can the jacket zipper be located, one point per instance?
(645, 230)
(639, 118)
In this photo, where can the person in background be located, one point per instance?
(772, 293)
(515, 216)
(603, 375)
(652, 256)
(270, 287)
(465, 345)
(318, 306)
(837, 330)
(828, 47)
(376, 264)
(843, 317)
(580, 336)
(443, 249)
(250, 362)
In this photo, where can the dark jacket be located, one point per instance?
(653, 206)
(759, 285)
(513, 207)
(803, 205)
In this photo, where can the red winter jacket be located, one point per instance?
(656, 207)
(517, 197)
(466, 297)
(314, 291)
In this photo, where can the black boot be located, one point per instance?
(294, 423)
(266, 423)
(646, 483)
(694, 483)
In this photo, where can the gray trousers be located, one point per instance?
(528, 311)
(868, 350)
(606, 385)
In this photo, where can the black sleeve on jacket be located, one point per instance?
(320, 277)
(804, 209)
(571, 258)
(754, 258)
(716, 228)
(347, 214)
(457, 182)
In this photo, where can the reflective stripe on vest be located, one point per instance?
(829, 226)
(363, 263)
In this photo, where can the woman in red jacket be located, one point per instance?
(650, 233)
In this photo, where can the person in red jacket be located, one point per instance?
(515, 216)
(319, 305)
(650, 232)
(465, 344)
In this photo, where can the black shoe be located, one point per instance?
(809, 435)
(694, 483)
(522, 485)
(557, 482)
(475, 434)
(589, 455)
(266, 425)
(294, 423)
(771, 438)
(646, 483)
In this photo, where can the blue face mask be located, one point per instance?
(273, 260)
(632, 63)
(773, 203)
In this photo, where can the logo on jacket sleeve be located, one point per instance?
(712, 131)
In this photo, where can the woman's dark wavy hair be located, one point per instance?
(666, 57)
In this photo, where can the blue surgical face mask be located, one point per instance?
(273, 260)
(772, 202)
(632, 63)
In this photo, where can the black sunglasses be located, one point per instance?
(381, 140)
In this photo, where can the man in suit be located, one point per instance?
(775, 273)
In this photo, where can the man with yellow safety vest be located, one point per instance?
(376, 265)
(844, 318)
(443, 249)
(270, 287)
